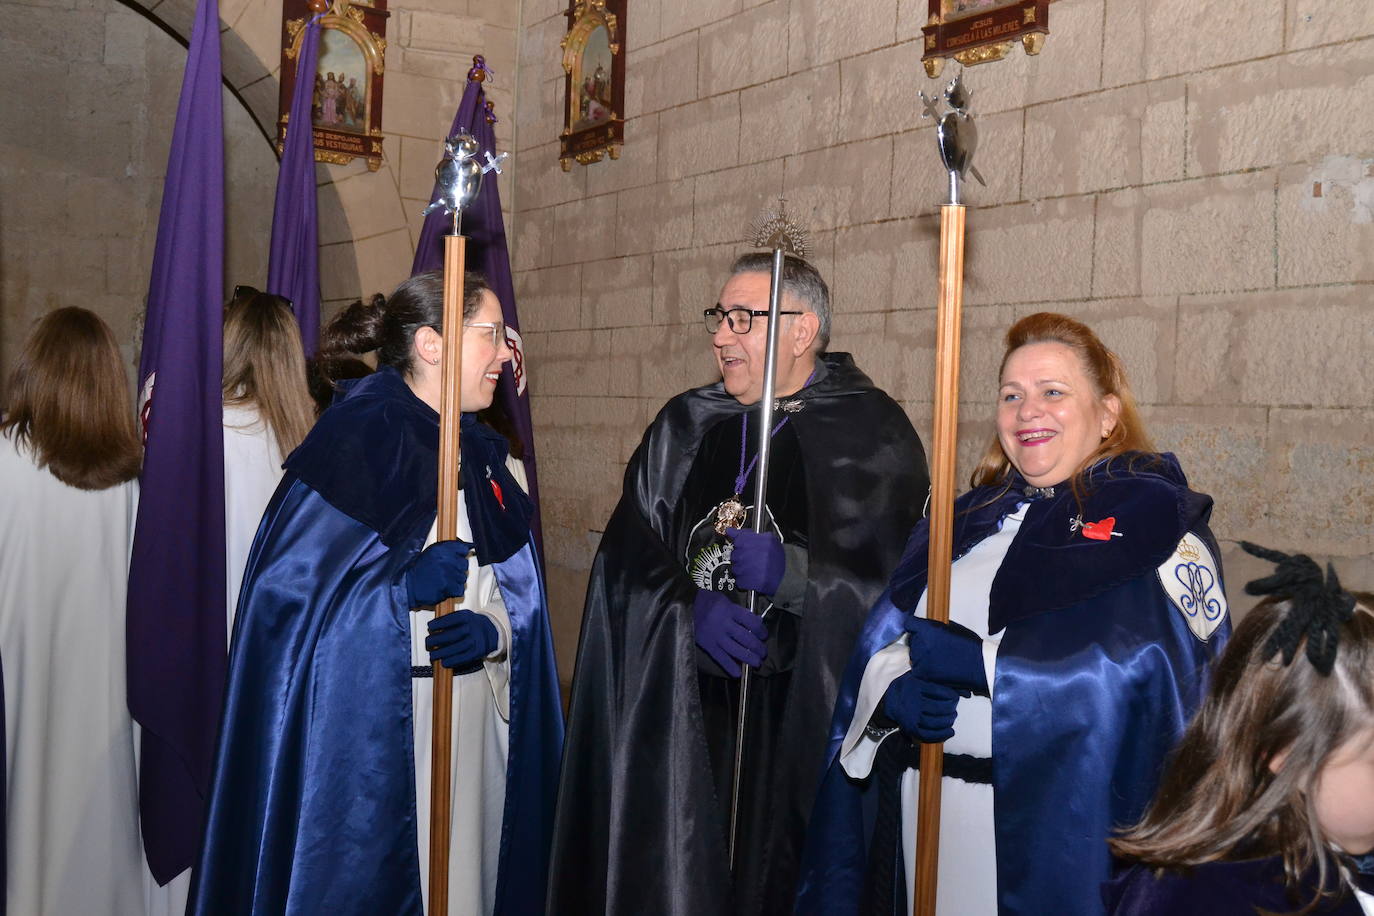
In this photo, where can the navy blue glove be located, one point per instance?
(459, 639)
(439, 572)
(757, 560)
(922, 709)
(727, 632)
(947, 653)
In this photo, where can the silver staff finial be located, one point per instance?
(776, 229)
(459, 175)
(955, 133)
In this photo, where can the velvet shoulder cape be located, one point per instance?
(312, 807)
(1240, 888)
(1097, 675)
(637, 828)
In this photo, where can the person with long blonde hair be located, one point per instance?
(69, 456)
(1086, 605)
(267, 412)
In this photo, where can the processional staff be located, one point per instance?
(957, 137)
(459, 178)
(776, 231)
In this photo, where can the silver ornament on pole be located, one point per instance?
(955, 132)
(776, 230)
(459, 176)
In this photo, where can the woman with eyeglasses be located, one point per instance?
(321, 786)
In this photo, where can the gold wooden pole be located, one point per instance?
(450, 412)
(946, 427)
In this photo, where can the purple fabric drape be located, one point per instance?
(293, 266)
(176, 600)
(487, 252)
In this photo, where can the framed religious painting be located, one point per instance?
(977, 31)
(594, 84)
(346, 109)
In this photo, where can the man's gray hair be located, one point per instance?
(798, 278)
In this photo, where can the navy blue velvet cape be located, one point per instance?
(1097, 675)
(312, 808)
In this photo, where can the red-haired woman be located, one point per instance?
(69, 453)
(1086, 605)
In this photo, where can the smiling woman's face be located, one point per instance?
(1049, 415)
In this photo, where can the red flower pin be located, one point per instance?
(1101, 531)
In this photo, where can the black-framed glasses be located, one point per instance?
(243, 291)
(741, 319)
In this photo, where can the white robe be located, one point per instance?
(71, 790)
(252, 470)
(481, 724)
(968, 854)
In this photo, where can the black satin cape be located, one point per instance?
(312, 807)
(1097, 675)
(639, 828)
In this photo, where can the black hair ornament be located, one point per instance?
(1317, 606)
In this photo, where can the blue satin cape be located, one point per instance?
(1097, 675)
(312, 807)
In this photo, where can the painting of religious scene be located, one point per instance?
(967, 7)
(594, 103)
(340, 97)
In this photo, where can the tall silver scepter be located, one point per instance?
(777, 231)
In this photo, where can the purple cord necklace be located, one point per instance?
(731, 513)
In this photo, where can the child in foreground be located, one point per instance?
(1268, 802)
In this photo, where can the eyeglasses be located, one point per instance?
(498, 331)
(243, 291)
(741, 319)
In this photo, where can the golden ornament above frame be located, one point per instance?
(978, 31)
(346, 116)
(594, 82)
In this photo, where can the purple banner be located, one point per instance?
(487, 252)
(176, 607)
(293, 266)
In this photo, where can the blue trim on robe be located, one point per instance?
(1094, 650)
(312, 807)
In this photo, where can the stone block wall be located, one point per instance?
(92, 88)
(1195, 180)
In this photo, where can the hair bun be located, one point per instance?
(356, 329)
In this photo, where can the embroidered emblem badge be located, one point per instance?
(1190, 579)
(1096, 531)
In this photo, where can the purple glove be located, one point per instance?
(457, 640)
(922, 709)
(757, 559)
(439, 572)
(947, 653)
(727, 632)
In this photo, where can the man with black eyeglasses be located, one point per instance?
(644, 804)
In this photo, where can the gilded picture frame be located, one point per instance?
(347, 112)
(594, 83)
(978, 31)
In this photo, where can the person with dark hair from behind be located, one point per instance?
(69, 456)
(267, 412)
(1085, 607)
(1267, 805)
(320, 793)
(336, 362)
